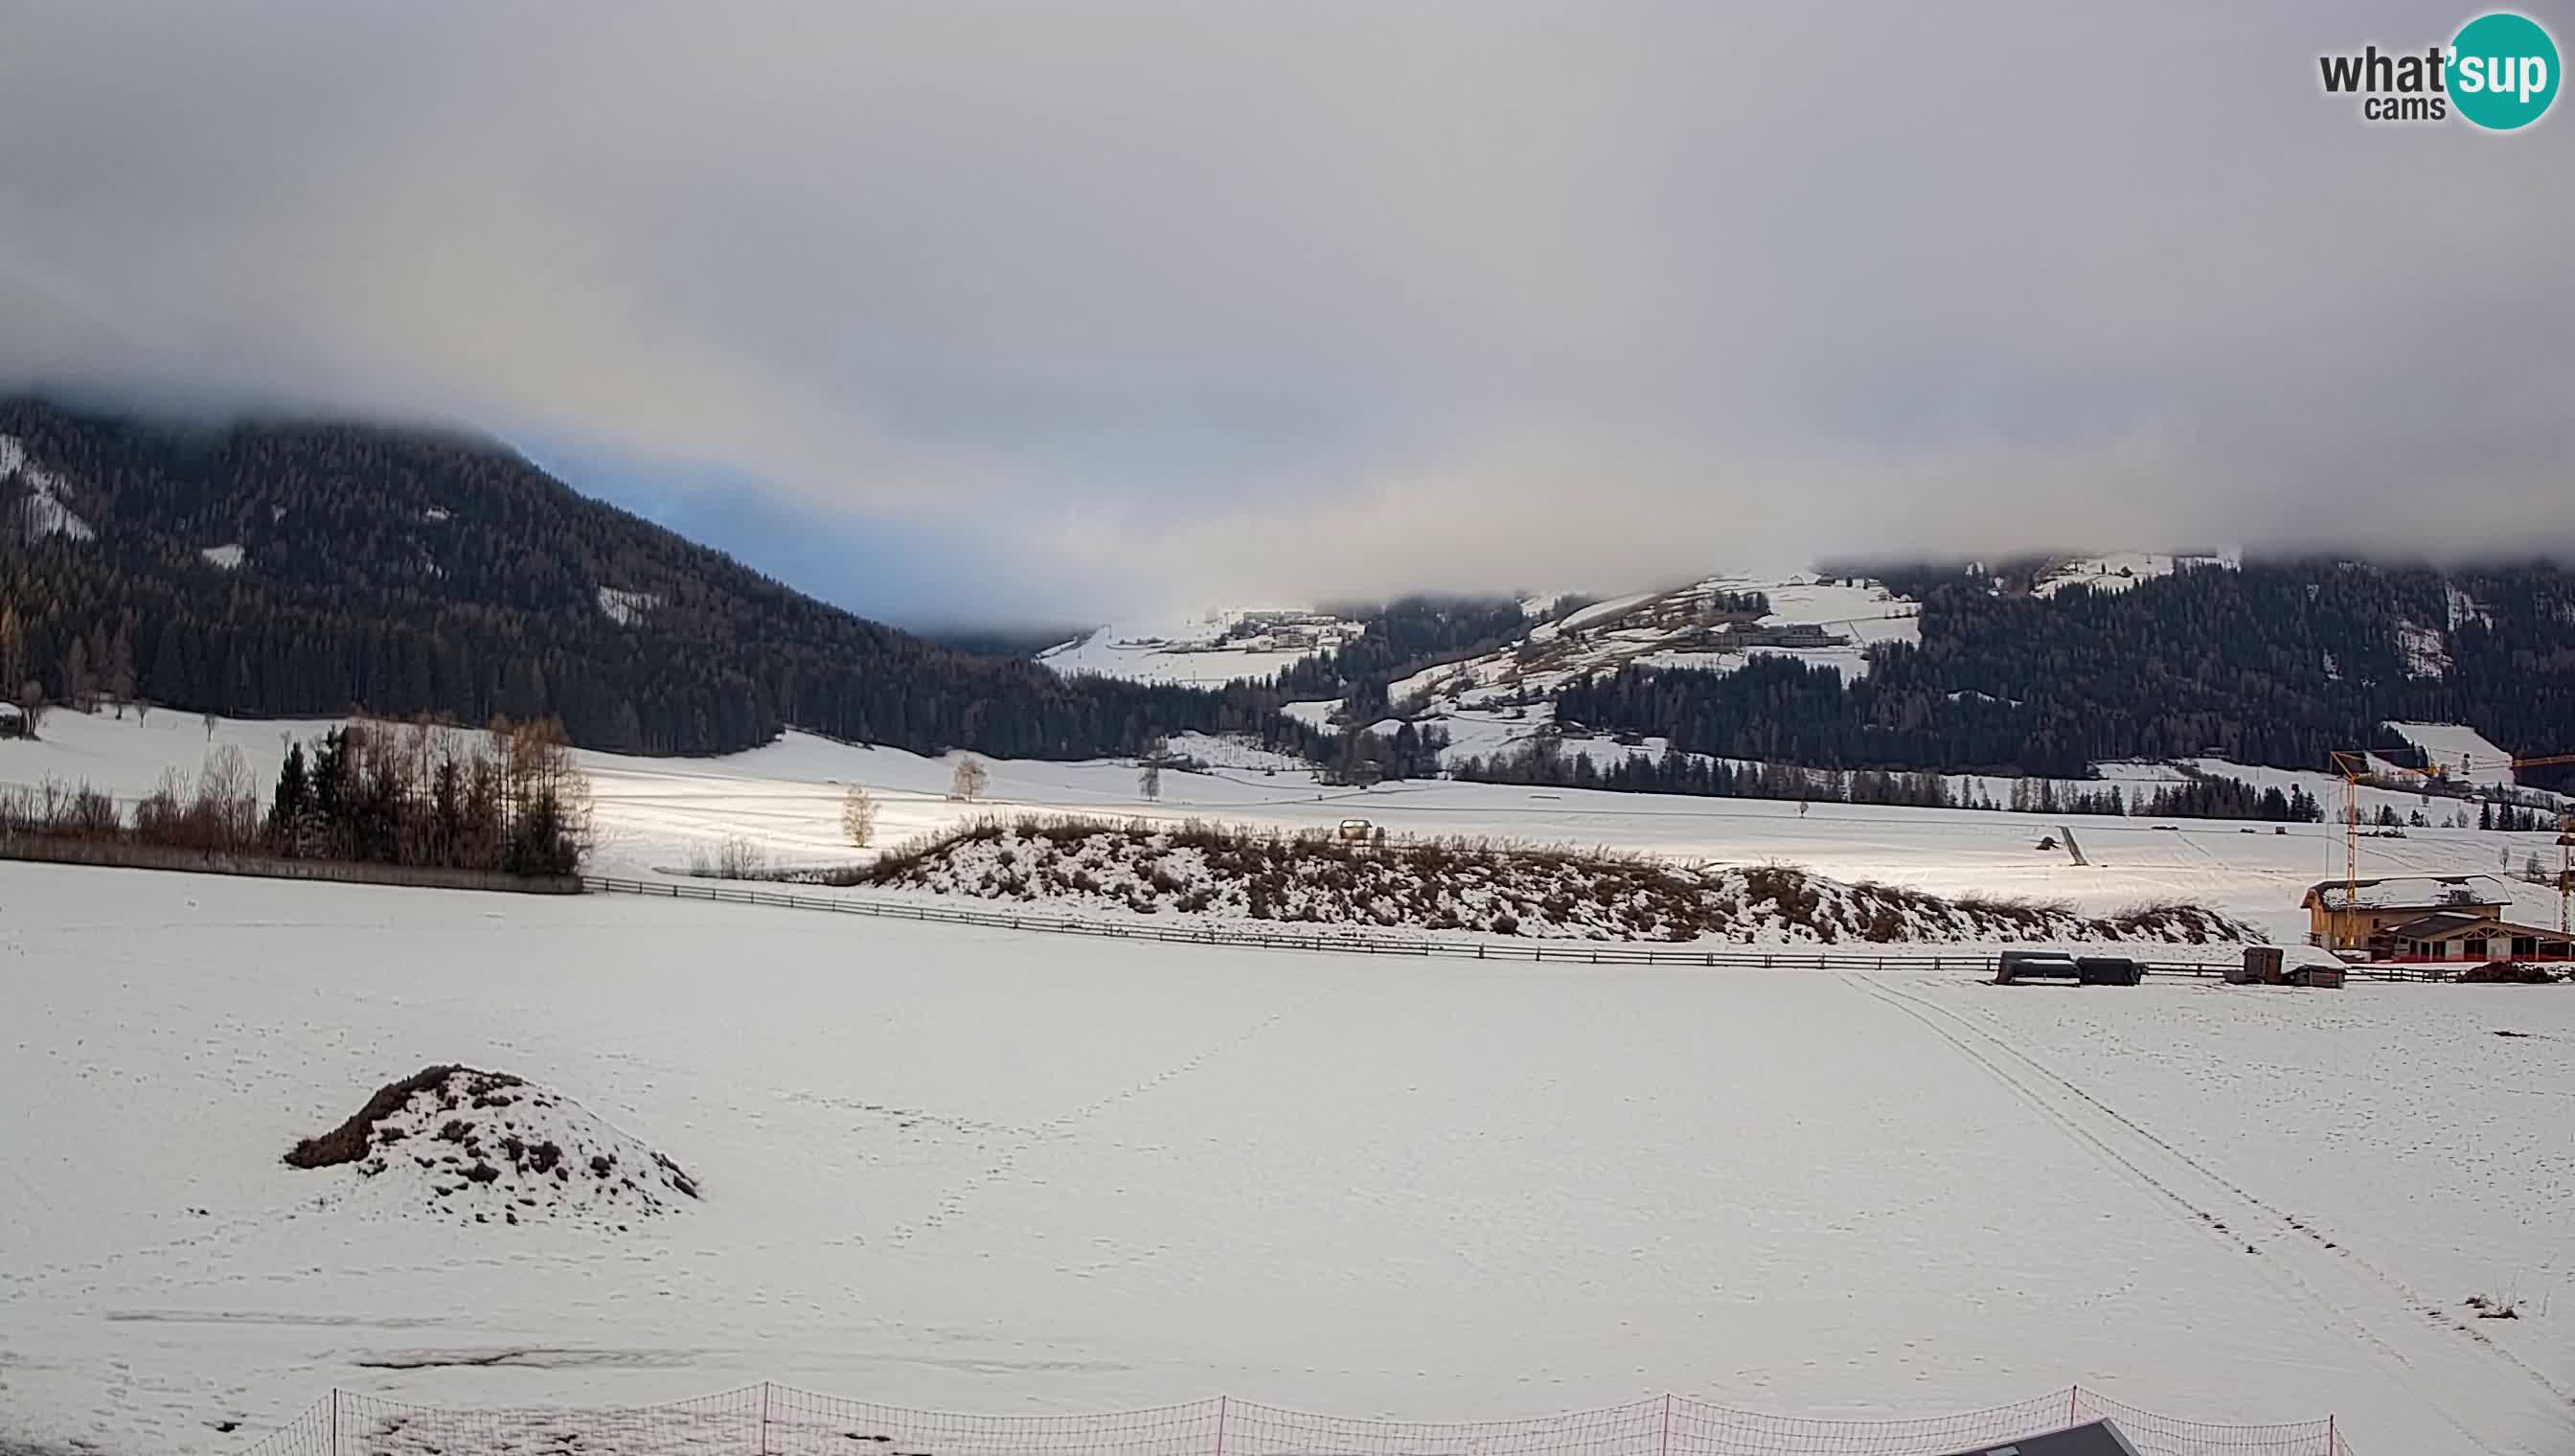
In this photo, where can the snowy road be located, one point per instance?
(961, 1169)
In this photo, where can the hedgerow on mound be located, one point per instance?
(1242, 875)
(488, 1147)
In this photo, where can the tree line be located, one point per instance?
(510, 799)
(1545, 760)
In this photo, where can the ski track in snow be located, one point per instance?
(2445, 1362)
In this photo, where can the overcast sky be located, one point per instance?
(1076, 307)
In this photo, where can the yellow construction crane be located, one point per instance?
(2354, 766)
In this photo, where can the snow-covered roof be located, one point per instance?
(2447, 923)
(2412, 893)
(10, 710)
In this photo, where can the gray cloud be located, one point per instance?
(1160, 301)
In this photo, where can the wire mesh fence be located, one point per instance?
(1701, 1429)
(780, 1420)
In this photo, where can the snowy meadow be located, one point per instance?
(964, 1169)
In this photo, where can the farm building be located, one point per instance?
(13, 723)
(2349, 918)
(2467, 936)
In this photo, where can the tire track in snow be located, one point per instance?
(2446, 1378)
(1004, 1164)
(2396, 1284)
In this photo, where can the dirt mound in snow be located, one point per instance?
(1222, 873)
(488, 1147)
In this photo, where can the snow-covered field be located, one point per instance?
(657, 814)
(966, 1169)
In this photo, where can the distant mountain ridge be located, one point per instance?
(2043, 665)
(298, 567)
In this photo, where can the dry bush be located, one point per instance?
(732, 857)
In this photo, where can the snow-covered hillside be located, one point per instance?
(955, 1169)
(1215, 647)
(1829, 622)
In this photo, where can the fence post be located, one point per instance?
(334, 1421)
(1222, 1402)
(1664, 1446)
(2073, 1403)
(764, 1417)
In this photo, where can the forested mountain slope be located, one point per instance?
(297, 568)
(2277, 663)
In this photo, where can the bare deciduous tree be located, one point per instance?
(734, 857)
(1148, 779)
(80, 689)
(859, 816)
(31, 701)
(969, 780)
(227, 798)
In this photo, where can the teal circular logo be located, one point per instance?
(2503, 71)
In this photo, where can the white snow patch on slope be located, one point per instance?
(1600, 611)
(481, 1149)
(626, 608)
(2463, 753)
(1215, 647)
(2426, 655)
(227, 557)
(42, 514)
(1316, 714)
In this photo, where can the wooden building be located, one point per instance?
(2340, 921)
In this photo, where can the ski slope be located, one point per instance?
(959, 1169)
